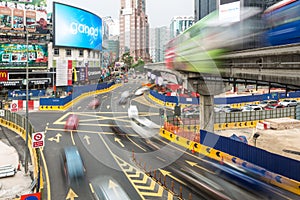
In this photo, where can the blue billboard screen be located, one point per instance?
(74, 27)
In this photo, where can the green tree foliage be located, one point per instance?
(127, 59)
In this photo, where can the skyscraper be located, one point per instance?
(204, 7)
(134, 29)
(180, 24)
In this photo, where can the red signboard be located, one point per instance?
(33, 196)
(3, 75)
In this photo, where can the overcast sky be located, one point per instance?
(160, 12)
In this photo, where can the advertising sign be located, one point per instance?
(18, 19)
(14, 56)
(5, 17)
(230, 10)
(3, 75)
(74, 27)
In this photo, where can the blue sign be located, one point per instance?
(74, 27)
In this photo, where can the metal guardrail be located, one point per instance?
(7, 170)
(255, 115)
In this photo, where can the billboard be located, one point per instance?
(14, 56)
(229, 10)
(75, 27)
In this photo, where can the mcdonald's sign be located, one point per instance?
(3, 75)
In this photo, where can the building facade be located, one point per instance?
(179, 24)
(134, 29)
(204, 7)
(159, 37)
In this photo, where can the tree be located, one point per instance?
(127, 59)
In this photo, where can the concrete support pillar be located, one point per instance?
(207, 112)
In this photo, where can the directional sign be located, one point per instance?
(33, 196)
(38, 139)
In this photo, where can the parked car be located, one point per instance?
(252, 107)
(272, 107)
(191, 114)
(95, 103)
(222, 108)
(265, 103)
(288, 103)
(72, 122)
(229, 110)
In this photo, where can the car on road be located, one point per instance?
(288, 102)
(107, 188)
(72, 122)
(95, 103)
(72, 165)
(141, 91)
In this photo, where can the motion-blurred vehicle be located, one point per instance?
(124, 97)
(272, 107)
(288, 102)
(283, 23)
(95, 103)
(72, 122)
(133, 111)
(125, 80)
(107, 188)
(218, 35)
(72, 165)
(141, 91)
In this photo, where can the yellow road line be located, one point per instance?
(47, 176)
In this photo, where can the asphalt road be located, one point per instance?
(145, 167)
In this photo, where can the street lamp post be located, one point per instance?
(26, 122)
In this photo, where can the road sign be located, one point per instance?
(33, 196)
(2, 113)
(38, 139)
(14, 107)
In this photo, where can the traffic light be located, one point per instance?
(177, 110)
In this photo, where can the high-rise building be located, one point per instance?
(204, 7)
(134, 29)
(179, 24)
(159, 37)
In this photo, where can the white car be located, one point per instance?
(288, 103)
(141, 91)
(251, 107)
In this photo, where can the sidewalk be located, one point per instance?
(13, 186)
